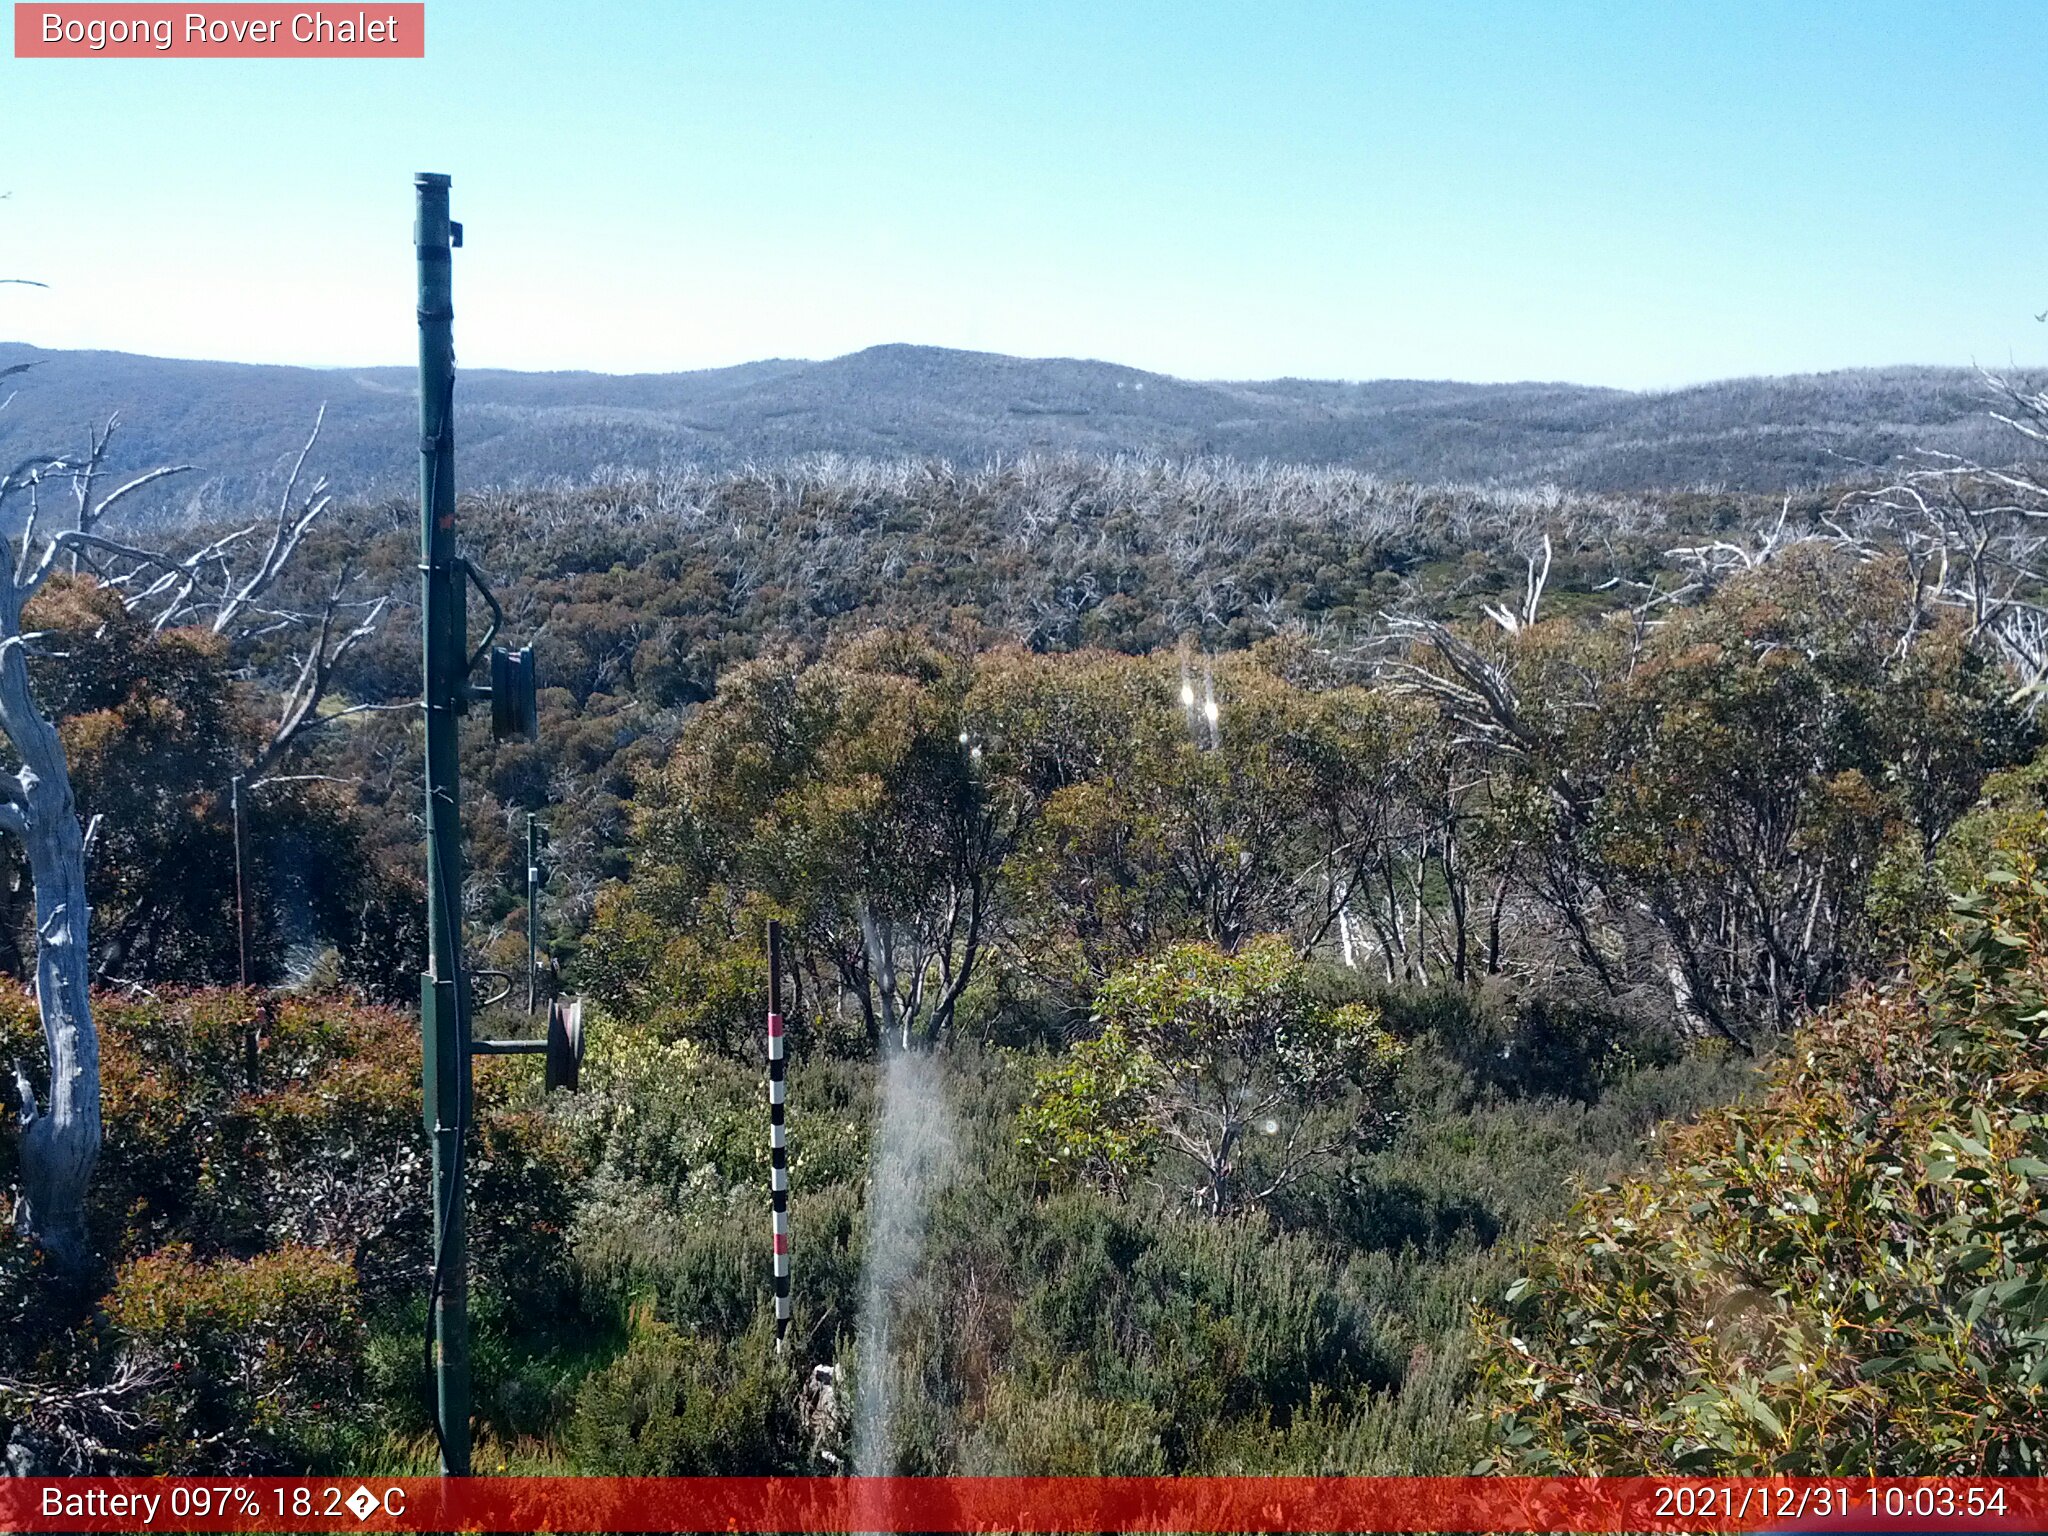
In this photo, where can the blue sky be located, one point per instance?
(1641, 194)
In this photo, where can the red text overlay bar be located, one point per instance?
(1035, 1504)
(372, 31)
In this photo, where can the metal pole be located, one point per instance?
(778, 1155)
(532, 909)
(444, 1011)
(241, 902)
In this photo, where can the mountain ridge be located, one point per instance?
(240, 424)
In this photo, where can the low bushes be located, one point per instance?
(261, 1210)
(255, 1360)
(674, 1405)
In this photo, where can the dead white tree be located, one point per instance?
(228, 585)
(60, 1139)
(1515, 620)
(1975, 538)
(1724, 557)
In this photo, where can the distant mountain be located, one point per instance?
(239, 424)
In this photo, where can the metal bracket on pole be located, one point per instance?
(563, 1046)
(515, 695)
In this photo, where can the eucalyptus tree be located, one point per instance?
(1227, 1066)
(1731, 780)
(1183, 801)
(846, 797)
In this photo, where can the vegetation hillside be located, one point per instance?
(240, 424)
(1229, 912)
(640, 590)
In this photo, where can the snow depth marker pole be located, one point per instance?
(778, 1152)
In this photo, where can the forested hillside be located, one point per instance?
(1231, 912)
(240, 424)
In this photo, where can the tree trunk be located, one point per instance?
(61, 1141)
(1454, 884)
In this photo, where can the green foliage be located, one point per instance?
(1742, 805)
(673, 1212)
(262, 1204)
(673, 1405)
(254, 1359)
(1748, 777)
(1064, 1431)
(1091, 1118)
(667, 1120)
(759, 699)
(1210, 1322)
(841, 797)
(237, 1120)
(1306, 1340)
(524, 1177)
(150, 730)
(1204, 1056)
(1845, 1278)
(1560, 1047)
(1158, 827)
(154, 725)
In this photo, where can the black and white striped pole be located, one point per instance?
(778, 1149)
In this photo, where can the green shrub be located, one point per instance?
(1228, 1065)
(675, 1405)
(320, 1145)
(264, 1166)
(1847, 1277)
(1064, 1432)
(258, 1356)
(524, 1177)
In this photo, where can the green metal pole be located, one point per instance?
(444, 1012)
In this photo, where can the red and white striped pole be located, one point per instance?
(778, 1152)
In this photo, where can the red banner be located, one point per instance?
(964, 1504)
(374, 31)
